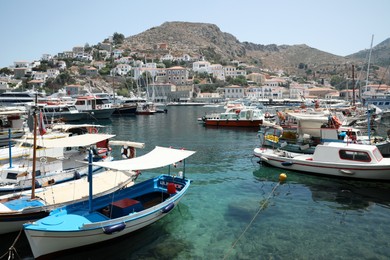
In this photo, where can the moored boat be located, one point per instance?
(235, 117)
(97, 108)
(332, 159)
(116, 214)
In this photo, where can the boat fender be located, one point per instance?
(171, 188)
(77, 175)
(168, 208)
(114, 228)
(348, 172)
(37, 185)
(287, 163)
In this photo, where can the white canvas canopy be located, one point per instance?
(72, 141)
(67, 127)
(11, 112)
(158, 157)
(127, 143)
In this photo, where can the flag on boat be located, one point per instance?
(41, 124)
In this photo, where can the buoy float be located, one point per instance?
(282, 177)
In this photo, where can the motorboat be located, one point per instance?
(236, 117)
(347, 160)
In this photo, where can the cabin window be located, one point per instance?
(354, 156)
(12, 176)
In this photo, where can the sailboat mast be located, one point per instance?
(353, 85)
(34, 149)
(369, 61)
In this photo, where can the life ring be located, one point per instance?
(267, 115)
(337, 121)
(281, 116)
(92, 130)
(98, 107)
(127, 152)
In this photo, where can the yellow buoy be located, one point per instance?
(282, 177)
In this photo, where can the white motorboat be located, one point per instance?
(332, 159)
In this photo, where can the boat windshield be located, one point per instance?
(378, 154)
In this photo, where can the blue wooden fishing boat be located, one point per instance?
(116, 214)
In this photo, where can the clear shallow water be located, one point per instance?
(235, 201)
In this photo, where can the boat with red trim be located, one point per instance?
(347, 160)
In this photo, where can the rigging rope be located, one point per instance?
(254, 217)
(12, 250)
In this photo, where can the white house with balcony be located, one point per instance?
(264, 92)
(39, 76)
(201, 66)
(61, 64)
(46, 57)
(167, 57)
(22, 64)
(125, 60)
(52, 73)
(117, 53)
(122, 69)
(154, 72)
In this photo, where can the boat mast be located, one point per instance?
(353, 85)
(34, 148)
(369, 61)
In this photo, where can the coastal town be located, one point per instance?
(72, 125)
(164, 78)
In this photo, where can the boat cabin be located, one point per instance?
(342, 152)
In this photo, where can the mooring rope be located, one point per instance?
(12, 250)
(254, 217)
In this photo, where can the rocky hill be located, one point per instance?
(202, 39)
(380, 54)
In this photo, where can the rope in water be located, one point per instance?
(254, 217)
(12, 250)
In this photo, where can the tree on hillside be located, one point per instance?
(239, 80)
(6, 71)
(338, 82)
(118, 38)
(64, 79)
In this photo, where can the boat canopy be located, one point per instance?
(158, 157)
(67, 127)
(127, 143)
(72, 141)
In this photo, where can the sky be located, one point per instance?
(341, 27)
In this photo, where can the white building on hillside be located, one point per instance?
(201, 66)
(234, 92)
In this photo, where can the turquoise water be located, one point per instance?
(237, 209)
